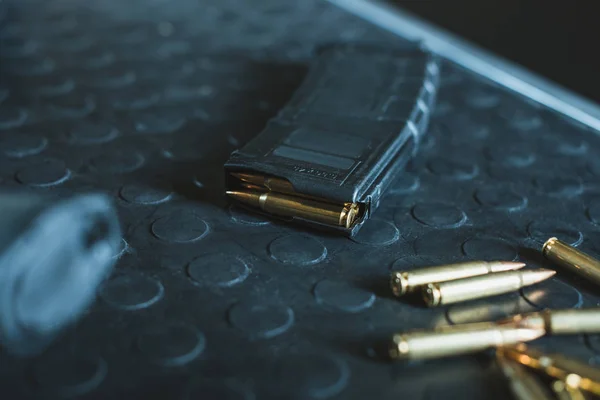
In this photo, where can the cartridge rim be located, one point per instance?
(349, 214)
(573, 381)
(399, 283)
(559, 386)
(432, 295)
(399, 347)
(547, 244)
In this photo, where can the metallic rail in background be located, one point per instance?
(476, 59)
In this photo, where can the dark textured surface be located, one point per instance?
(146, 99)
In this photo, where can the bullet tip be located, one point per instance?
(250, 198)
(239, 193)
(508, 266)
(536, 276)
(547, 272)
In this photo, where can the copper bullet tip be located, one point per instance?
(235, 194)
(249, 198)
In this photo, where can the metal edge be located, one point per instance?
(476, 59)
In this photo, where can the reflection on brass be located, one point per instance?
(576, 373)
(249, 186)
(523, 385)
(270, 183)
(449, 292)
(560, 322)
(482, 310)
(403, 282)
(565, 391)
(459, 339)
(282, 205)
(572, 259)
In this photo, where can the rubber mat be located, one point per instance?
(145, 100)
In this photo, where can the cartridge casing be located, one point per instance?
(560, 322)
(403, 282)
(523, 384)
(572, 259)
(564, 391)
(459, 339)
(450, 292)
(576, 373)
(296, 207)
(269, 183)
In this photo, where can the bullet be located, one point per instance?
(403, 282)
(572, 259)
(442, 293)
(560, 322)
(249, 186)
(458, 339)
(578, 374)
(268, 182)
(565, 391)
(523, 385)
(282, 205)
